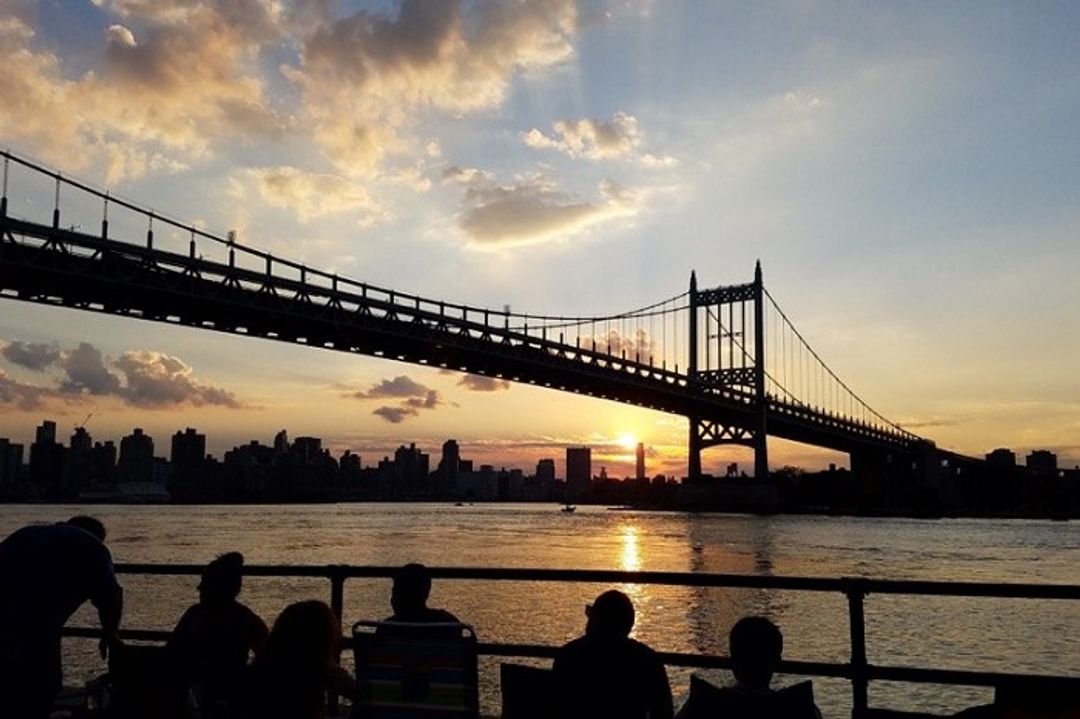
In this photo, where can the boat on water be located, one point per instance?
(569, 508)
(858, 671)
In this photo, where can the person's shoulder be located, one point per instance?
(441, 615)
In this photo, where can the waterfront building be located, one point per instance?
(1001, 458)
(578, 471)
(11, 457)
(78, 468)
(136, 457)
(103, 463)
(47, 462)
(640, 474)
(1042, 463)
(449, 467)
(412, 470)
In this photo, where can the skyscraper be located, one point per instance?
(136, 457)
(640, 474)
(578, 471)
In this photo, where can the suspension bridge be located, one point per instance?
(727, 358)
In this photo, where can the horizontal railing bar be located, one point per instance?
(696, 661)
(685, 579)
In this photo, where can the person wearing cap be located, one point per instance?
(607, 675)
(46, 573)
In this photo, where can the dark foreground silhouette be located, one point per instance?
(606, 674)
(47, 572)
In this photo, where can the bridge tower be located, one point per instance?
(727, 352)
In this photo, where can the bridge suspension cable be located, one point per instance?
(795, 371)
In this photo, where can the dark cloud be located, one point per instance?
(395, 415)
(86, 372)
(400, 386)
(36, 356)
(22, 396)
(431, 400)
(139, 378)
(480, 383)
(413, 395)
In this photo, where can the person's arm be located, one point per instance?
(110, 605)
(661, 705)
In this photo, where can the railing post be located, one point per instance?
(56, 206)
(105, 218)
(3, 200)
(337, 604)
(859, 682)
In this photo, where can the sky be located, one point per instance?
(907, 173)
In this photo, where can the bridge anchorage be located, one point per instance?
(728, 358)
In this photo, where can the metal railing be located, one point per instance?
(858, 670)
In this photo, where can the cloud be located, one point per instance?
(31, 355)
(590, 138)
(25, 397)
(313, 195)
(175, 78)
(636, 344)
(153, 379)
(140, 378)
(532, 209)
(395, 415)
(480, 383)
(365, 76)
(413, 395)
(86, 372)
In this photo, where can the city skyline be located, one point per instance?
(906, 180)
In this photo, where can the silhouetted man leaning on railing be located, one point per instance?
(606, 674)
(46, 573)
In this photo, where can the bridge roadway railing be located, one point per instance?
(451, 322)
(858, 670)
(341, 292)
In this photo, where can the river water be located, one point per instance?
(1008, 635)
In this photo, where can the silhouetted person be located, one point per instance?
(606, 674)
(209, 647)
(46, 573)
(412, 587)
(289, 679)
(756, 646)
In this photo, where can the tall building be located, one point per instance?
(47, 462)
(11, 456)
(188, 456)
(1001, 458)
(640, 474)
(449, 466)
(578, 471)
(412, 467)
(545, 472)
(79, 466)
(1042, 463)
(136, 462)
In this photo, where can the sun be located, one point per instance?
(626, 440)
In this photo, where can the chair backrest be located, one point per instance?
(527, 692)
(407, 669)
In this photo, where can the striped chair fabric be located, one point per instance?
(416, 670)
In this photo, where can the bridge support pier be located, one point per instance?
(709, 433)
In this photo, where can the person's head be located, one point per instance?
(610, 615)
(221, 579)
(755, 645)
(412, 586)
(305, 636)
(88, 524)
